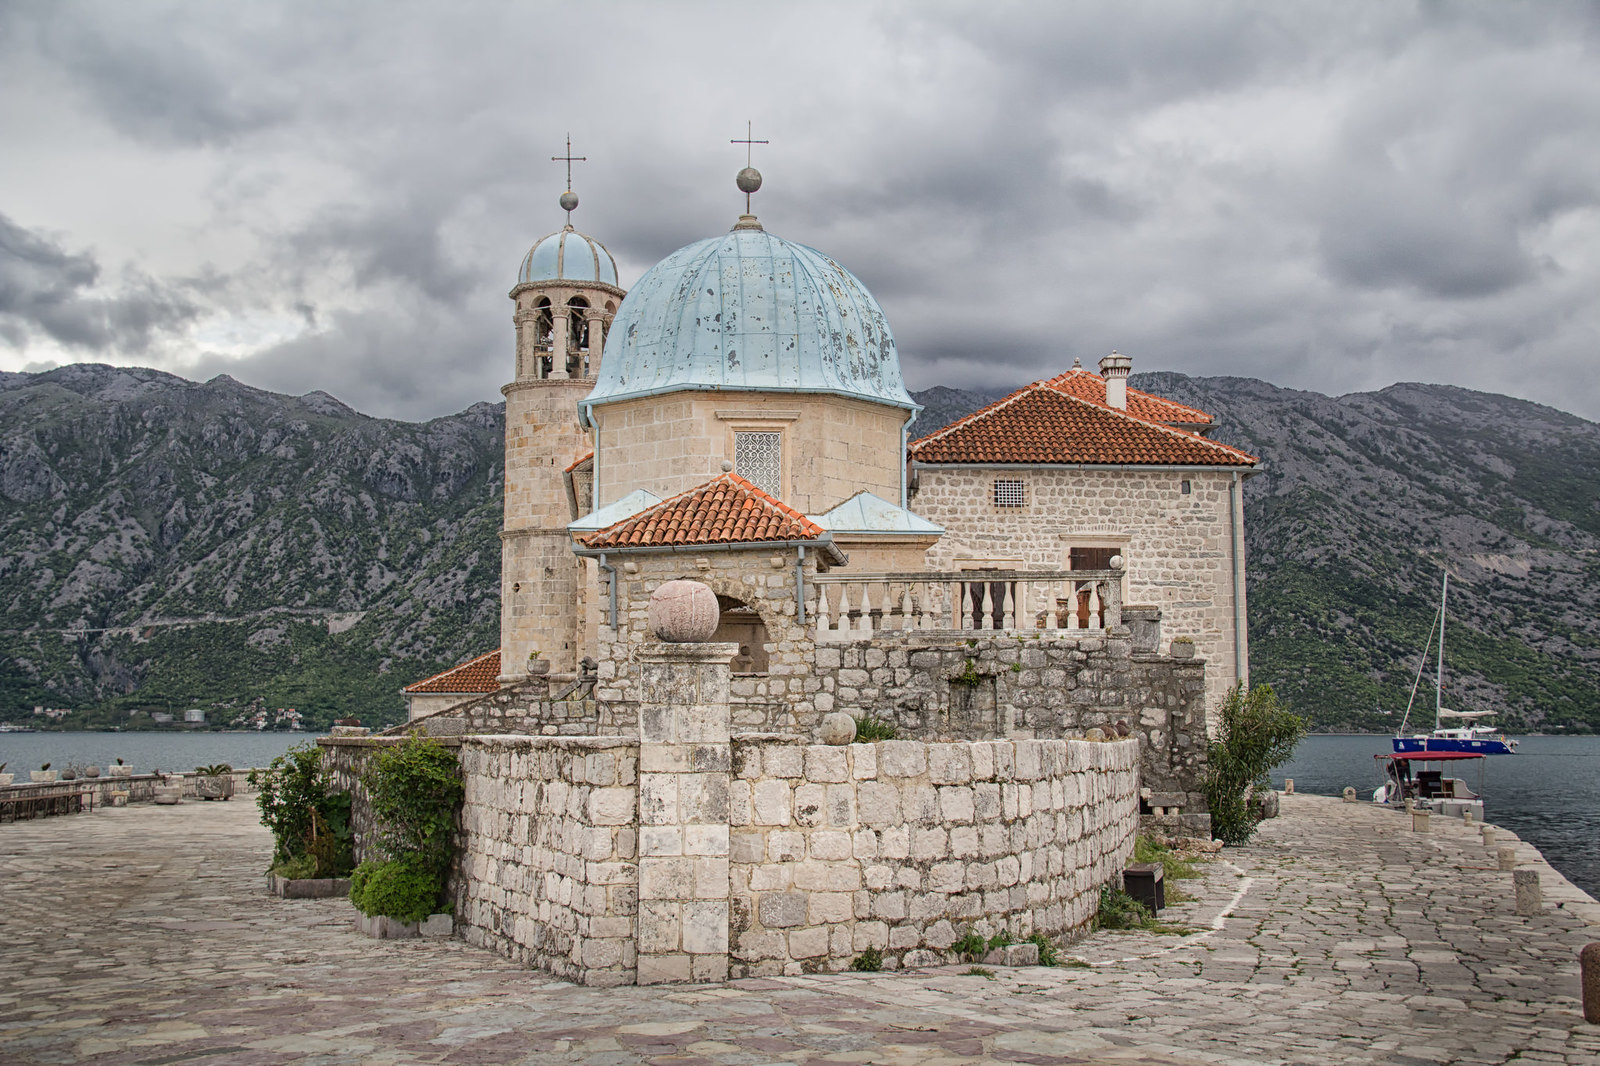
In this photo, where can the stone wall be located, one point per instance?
(955, 688)
(903, 846)
(547, 871)
(1177, 545)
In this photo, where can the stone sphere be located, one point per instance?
(683, 612)
(748, 180)
(838, 728)
(1094, 732)
(569, 200)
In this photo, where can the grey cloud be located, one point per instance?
(1328, 195)
(46, 289)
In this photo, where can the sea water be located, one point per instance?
(146, 752)
(1548, 793)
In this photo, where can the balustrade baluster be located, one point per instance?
(865, 602)
(1094, 606)
(822, 622)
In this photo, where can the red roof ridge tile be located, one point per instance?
(1184, 434)
(1150, 397)
(476, 675)
(579, 461)
(677, 519)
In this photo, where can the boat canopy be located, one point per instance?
(1445, 712)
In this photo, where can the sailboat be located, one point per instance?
(1453, 740)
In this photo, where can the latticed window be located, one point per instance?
(758, 458)
(1008, 492)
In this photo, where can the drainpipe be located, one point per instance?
(1235, 502)
(611, 571)
(799, 580)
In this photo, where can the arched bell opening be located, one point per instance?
(577, 337)
(741, 625)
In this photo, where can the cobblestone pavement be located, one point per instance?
(143, 936)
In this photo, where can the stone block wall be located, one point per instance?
(903, 845)
(955, 688)
(547, 872)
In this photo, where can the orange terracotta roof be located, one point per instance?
(1087, 385)
(725, 510)
(476, 675)
(579, 461)
(1044, 424)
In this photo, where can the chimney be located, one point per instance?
(1115, 369)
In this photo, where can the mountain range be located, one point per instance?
(167, 544)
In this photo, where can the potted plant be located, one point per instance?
(214, 782)
(93, 771)
(122, 769)
(70, 771)
(43, 775)
(5, 778)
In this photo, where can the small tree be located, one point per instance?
(311, 833)
(1256, 733)
(413, 788)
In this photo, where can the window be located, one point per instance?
(1090, 558)
(758, 458)
(1183, 486)
(1008, 492)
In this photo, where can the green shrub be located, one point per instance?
(1048, 955)
(970, 947)
(1002, 939)
(1118, 910)
(214, 770)
(297, 869)
(1173, 868)
(869, 961)
(291, 788)
(980, 971)
(414, 788)
(1254, 735)
(869, 729)
(402, 889)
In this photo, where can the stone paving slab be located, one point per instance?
(144, 936)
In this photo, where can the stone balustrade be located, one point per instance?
(853, 606)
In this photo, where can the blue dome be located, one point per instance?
(568, 255)
(750, 311)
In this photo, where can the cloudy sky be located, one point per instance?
(1331, 196)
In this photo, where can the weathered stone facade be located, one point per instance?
(903, 845)
(547, 870)
(686, 852)
(1184, 551)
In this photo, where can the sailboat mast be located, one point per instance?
(1438, 684)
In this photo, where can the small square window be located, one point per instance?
(1183, 486)
(1009, 492)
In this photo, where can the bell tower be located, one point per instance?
(565, 296)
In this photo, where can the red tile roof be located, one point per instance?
(725, 510)
(1087, 385)
(476, 675)
(1043, 423)
(579, 461)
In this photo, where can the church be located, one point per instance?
(949, 673)
(739, 417)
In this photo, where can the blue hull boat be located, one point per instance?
(1448, 740)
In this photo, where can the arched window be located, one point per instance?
(577, 335)
(543, 337)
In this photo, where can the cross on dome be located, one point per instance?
(749, 179)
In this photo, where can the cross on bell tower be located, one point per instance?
(569, 199)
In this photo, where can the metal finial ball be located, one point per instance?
(749, 180)
(569, 200)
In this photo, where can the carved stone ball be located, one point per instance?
(1094, 732)
(838, 728)
(748, 180)
(683, 612)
